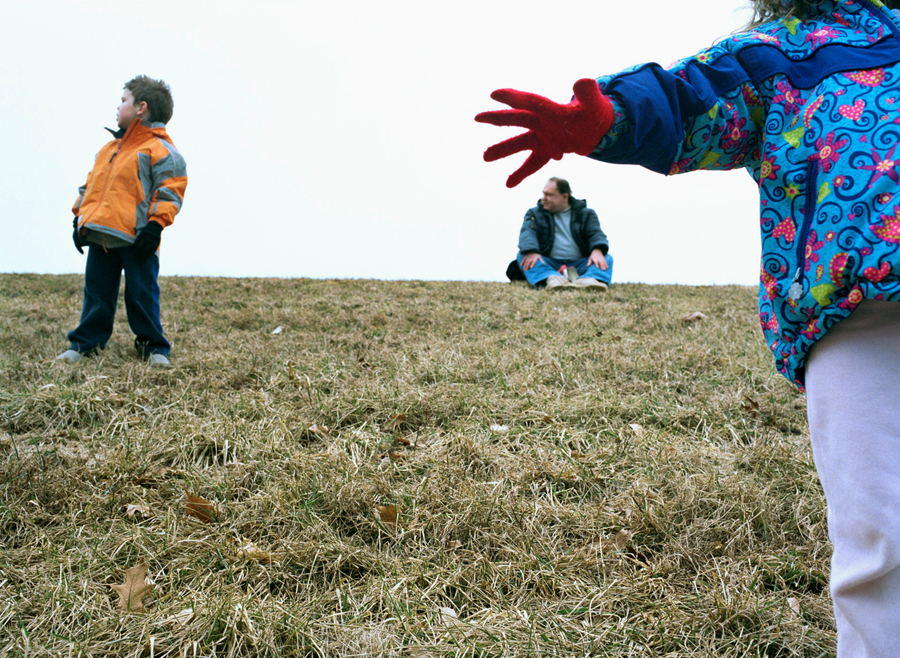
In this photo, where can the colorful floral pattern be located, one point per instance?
(789, 97)
(822, 153)
(882, 166)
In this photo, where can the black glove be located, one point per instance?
(76, 237)
(147, 241)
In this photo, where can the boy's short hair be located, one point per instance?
(156, 94)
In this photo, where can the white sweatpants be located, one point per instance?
(853, 405)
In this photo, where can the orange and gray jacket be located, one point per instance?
(138, 177)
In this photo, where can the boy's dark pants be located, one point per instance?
(101, 291)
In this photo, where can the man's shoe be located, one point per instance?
(157, 361)
(71, 356)
(590, 284)
(557, 282)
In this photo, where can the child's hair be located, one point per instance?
(156, 94)
(765, 11)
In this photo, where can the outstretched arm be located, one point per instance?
(552, 129)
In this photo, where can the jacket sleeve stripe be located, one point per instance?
(77, 206)
(765, 61)
(659, 102)
(169, 175)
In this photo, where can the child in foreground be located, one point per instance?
(133, 192)
(808, 100)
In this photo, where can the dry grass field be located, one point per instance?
(407, 469)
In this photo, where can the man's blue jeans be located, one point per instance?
(101, 291)
(547, 266)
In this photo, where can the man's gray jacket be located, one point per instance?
(538, 230)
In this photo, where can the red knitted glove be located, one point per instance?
(553, 129)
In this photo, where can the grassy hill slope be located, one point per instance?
(571, 474)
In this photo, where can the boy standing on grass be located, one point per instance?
(133, 192)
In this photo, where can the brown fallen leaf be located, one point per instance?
(200, 508)
(137, 511)
(180, 618)
(452, 545)
(135, 588)
(637, 429)
(249, 551)
(320, 431)
(395, 422)
(387, 513)
(150, 478)
(693, 317)
(414, 442)
(752, 406)
(617, 542)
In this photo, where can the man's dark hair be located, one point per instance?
(156, 94)
(562, 185)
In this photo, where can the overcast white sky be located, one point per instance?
(336, 139)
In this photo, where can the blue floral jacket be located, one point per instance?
(811, 106)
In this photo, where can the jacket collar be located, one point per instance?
(122, 133)
(118, 134)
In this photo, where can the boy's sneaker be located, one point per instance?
(557, 282)
(157, 361)
(71, 356)
(590, 283)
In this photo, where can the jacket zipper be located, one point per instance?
(810, 201)
(108, 177)
(106, 181)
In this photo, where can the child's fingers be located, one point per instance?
(534, 162)
(520, 118)
(523, 100)
(524, 142)
(587, 91)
